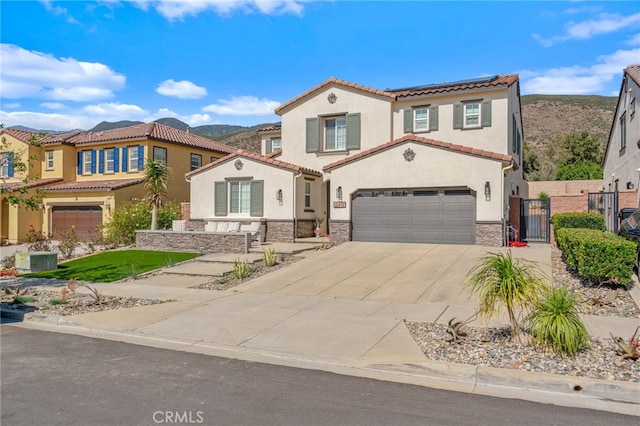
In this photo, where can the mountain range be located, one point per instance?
(543, 118)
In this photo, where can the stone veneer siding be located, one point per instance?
(202, 242)
(340, 231)
(305, 228)
(489, 234)
(280, 231)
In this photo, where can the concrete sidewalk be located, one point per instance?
(343, 310)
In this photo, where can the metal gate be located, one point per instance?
(534, 220)
(606, 204)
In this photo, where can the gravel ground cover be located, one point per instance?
(257, 269)
(493, 347)
(76, 303)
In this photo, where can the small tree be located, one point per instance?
(17, 163)
(156, 176)
(515, 283)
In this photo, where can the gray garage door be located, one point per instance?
(446, 216)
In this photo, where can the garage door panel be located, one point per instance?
(433, 216)
(84, 219)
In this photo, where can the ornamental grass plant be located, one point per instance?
(499, 279)
(554, 322)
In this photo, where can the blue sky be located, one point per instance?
(73, 64)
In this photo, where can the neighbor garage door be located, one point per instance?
(84, 218)
(446, 216)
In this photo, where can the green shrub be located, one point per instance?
(38, 241)
(54, 302)
(555, 323)
(270, 257)
(69, 242)
(578, 220)
(543, 196)
(240, 269)
(132, 216)
(599, 256)
(21, 300)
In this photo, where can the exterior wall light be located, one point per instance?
(487, 191)
(339, 193)
(279, 195)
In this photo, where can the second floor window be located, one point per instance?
(133, 158)
(160, 154)
(420, 119)
(86, 162)
(276, 144)
(623, 131)
(49, 160)
(196, 161)
(6, 166)
(472, 115)
(335, 134)
(109, 160)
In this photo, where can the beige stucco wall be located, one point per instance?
(431, 168)
(275, 178)
(375, 124)
(623, 165)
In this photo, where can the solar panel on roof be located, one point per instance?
(447, 84)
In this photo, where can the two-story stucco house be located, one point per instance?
(86, 175)
(430, 164)
(622, 156)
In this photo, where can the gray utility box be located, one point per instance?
(36, 261)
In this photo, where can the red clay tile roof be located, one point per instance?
(94, 185)
(270, 129)
(502, 80)
(154, 130)
(275, 153)
(30, 184)
(333, 80)
(424, 141)
(633, 71)
(258, 157)
(22, 135)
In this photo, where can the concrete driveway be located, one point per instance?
(394, 272)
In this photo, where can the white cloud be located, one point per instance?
(181, 89)
(634, 41)
(243, 105)
(604, 23)
(578, 80)
(59, 11)
(12, 105)
(30, 74)
(53, 105)
(179, 9)
(191, 119)
(47, 121)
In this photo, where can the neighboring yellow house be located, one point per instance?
(86, 175)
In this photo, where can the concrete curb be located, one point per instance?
(569, 391)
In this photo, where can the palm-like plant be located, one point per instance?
(515, 283)
(555, 322)
(156, 175)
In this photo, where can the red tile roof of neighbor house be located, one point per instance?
(154, 130)
(275, 153)
(423, 141)
(633, 71)
(394, 94)
(22, 135)
(270, 129)
(94, 185)
(29, 184)
(258, 157)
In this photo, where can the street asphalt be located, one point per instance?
(342, 310)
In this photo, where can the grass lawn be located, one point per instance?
(112, 266)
